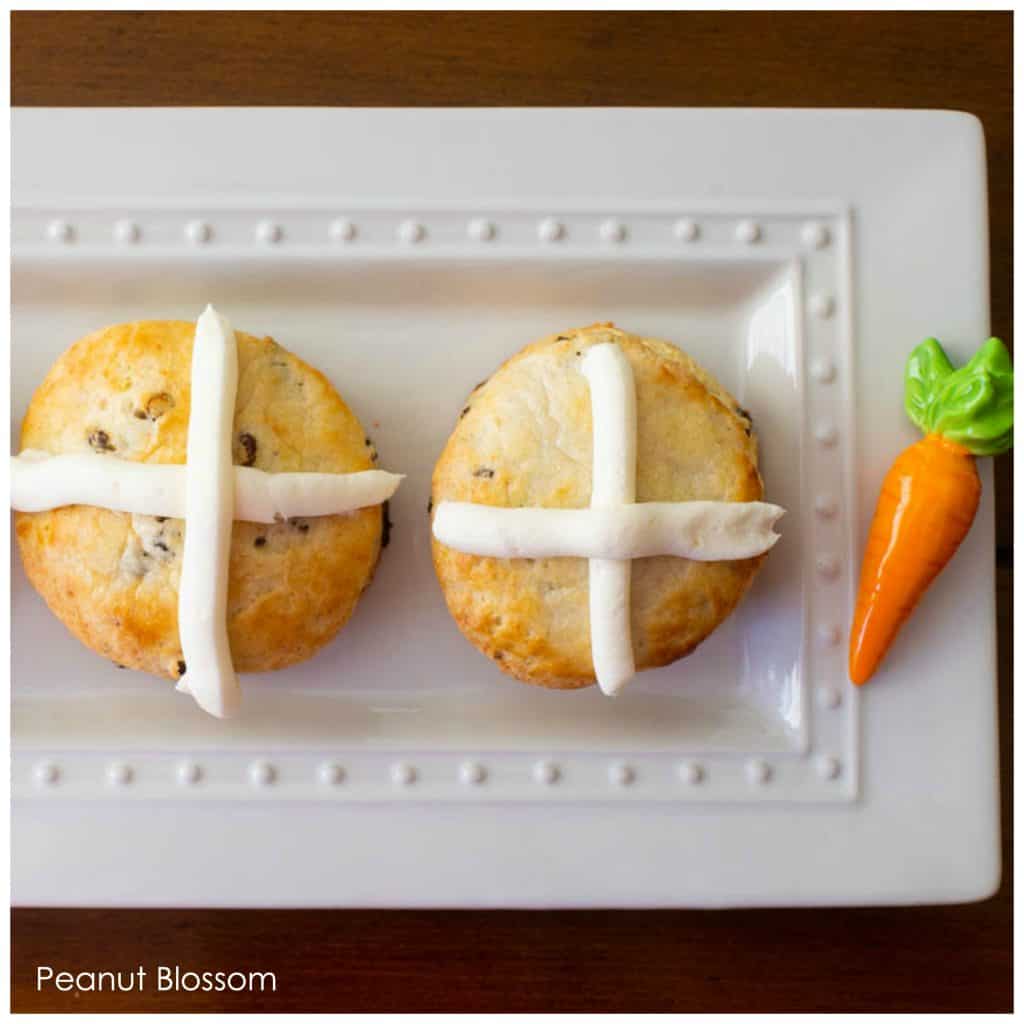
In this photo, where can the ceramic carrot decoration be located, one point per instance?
(931, 492)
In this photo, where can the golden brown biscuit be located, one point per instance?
(524, 438)
(112, 578)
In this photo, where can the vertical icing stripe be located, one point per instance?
(209, 510)
(613, 412)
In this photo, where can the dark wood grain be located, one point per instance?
(933, 958)
(926, 958)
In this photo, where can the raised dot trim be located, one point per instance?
(827, 566)
(119, 773)
(189, 773)
(60, 231)
(827, 435)
(613, 231)
(815, 235)
(830, 636)
(411, 232)
(342, 230)
(829, 698)
(748, 232)
(185, 774)
(550, 230)
(198, 232)
(823, 371)
(686, 230)
(472, 773)
(822, 306)
(262, 773)
(824, 365)
(127, 232)
(269, 232)
(331, 773)
(826, 506)
(482, 230)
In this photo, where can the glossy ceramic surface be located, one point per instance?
(745, 240)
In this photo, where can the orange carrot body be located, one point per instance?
(928, 502)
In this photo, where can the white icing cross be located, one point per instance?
(208, 492)
(614, 529)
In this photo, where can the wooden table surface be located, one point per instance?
(929, 958)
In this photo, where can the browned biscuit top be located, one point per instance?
(112, 578)
(524, 438)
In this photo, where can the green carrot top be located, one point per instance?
(972, 406)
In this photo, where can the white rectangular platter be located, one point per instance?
(796, 254)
